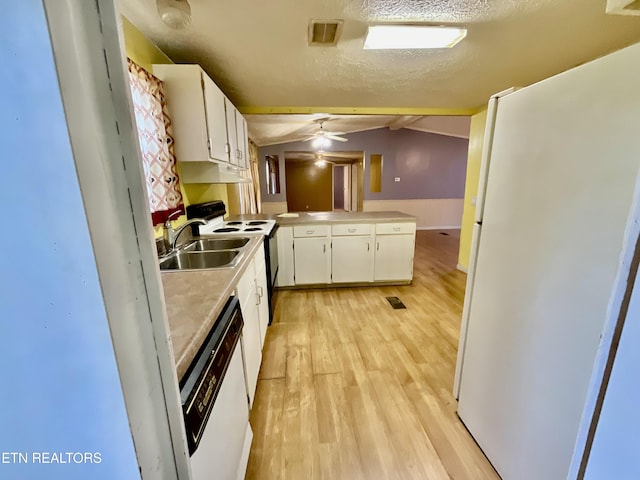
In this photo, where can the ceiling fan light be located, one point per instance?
(381, 37)
(320, 163)
(321, 142)
(175, 13)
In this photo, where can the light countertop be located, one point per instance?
(194, 300)
(305, 218)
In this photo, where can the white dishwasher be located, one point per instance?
(215, 405)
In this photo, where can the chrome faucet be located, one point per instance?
(171, 236)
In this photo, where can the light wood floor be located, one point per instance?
(351, 389)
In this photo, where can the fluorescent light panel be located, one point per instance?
(412, 36)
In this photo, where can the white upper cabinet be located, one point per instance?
(204, 121)
(243, 141)
(214, 103)
(232, 133)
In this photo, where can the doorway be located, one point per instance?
(342, 188)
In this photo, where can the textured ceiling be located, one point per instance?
(257, 50)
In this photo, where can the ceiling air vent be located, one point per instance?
(324, 32)
(623, 7)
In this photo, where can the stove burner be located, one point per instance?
(225, 230)
(253, 229)
(234, 223)
(257, 222)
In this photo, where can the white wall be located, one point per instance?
(615, 453)
(431, 214)
(60, 386)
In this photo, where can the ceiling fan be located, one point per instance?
(322, 138)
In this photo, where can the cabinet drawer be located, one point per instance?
(353, 229)
(395, 228)
(310, 231)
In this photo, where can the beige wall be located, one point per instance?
(431, 214)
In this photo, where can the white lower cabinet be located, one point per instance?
(284, 238)
(252, 294)
(394, 257)
(312, 260)
(263, 301)
(351, 259)
(322, 254)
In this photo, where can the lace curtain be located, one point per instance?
(156, 143)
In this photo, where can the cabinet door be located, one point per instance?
(394, 257)
(284, 239)
(351, 259)
(251, 343)
(311, 260)
(232, 136)
(263, 302)
(241, 133)
(216, 120)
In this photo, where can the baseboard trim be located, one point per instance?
(462, 269)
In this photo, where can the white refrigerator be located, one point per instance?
(561, 162)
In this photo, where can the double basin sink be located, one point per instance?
(206, 253)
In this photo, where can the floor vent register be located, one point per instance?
(395, 302)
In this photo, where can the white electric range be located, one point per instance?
(218, 226)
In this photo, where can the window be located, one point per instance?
(156, 143)
(272, 169)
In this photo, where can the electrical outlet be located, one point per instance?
(396, 179)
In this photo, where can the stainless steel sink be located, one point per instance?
(206, 244)
(191, 260)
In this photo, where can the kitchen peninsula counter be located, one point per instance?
(306, 218)
(194, 299)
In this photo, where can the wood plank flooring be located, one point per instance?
(351, 389)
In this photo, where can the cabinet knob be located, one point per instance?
(351, 230)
